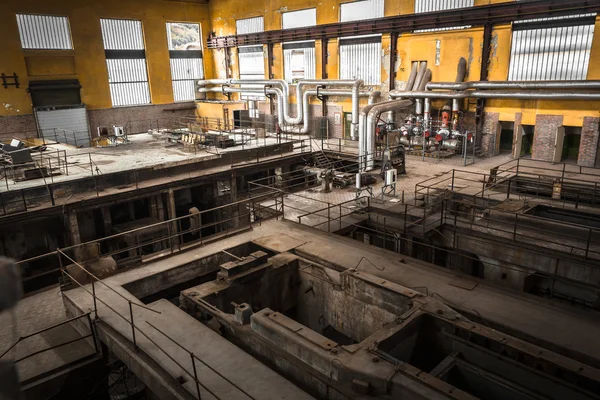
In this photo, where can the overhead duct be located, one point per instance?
(305, 100)
(516, 85)
(284, 86)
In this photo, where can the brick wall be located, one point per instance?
(488, 133)
(589, 142)
(21, 126)
(544, 138)
(335, 131)
(140, 118)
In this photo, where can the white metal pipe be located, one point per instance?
(516, 85)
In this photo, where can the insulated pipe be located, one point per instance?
(497, 94)
(362, 121)
(375, 112)
(420, 75)
(356, 84)
(226, 89)
(305, 101)
(526, 85)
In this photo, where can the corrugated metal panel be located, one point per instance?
(250, 25)
(251, 58)
(46, 32)
(308, 67)
(128, 81)
(423, 6)
(122, 34)
(127, 77)
(361, 61)
(555, 18)
(65, 125)
(561, 53)
(184, 71)
(359, 10)
(299, 19)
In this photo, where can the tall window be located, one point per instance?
(185, 53)
(251, 59)
(555, 48)
(360, 56)
(299, 57)
(44, 32)
(425, 6)
(126, 61)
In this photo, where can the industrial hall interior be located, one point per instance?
(300, 199)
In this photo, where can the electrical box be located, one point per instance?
(118, 130)
(391, 176)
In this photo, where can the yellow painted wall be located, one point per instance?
(465, 43)
(86, 61)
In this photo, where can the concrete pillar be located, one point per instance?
(74, 236)
(235, 215)
(107, 220)
(173, 214)
(131, 205)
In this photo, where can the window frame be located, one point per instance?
(126, 55)
(175, 69)
(288, 48)
(39, 35)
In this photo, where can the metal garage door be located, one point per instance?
(65, 125)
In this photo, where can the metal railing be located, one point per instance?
(177, 234)
(130, 319)
(21, 339)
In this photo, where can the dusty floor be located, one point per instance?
(143, 150)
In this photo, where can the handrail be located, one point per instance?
(22, 338)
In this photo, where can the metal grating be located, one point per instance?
(125, 61)
(559, 53)
(46, 32)
(299, 60)
(425, 6)
(185, 52)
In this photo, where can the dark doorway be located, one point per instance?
(571, 143)
(507, 136)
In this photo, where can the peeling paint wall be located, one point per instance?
(86, 61)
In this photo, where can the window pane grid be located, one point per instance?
(185, 59)
(425, 6)
(560, 53)
(125, 62)
(44, 32)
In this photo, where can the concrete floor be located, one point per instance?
(533, 317)
(144, 150)
(32, 314)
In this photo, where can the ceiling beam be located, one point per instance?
(493, 14)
